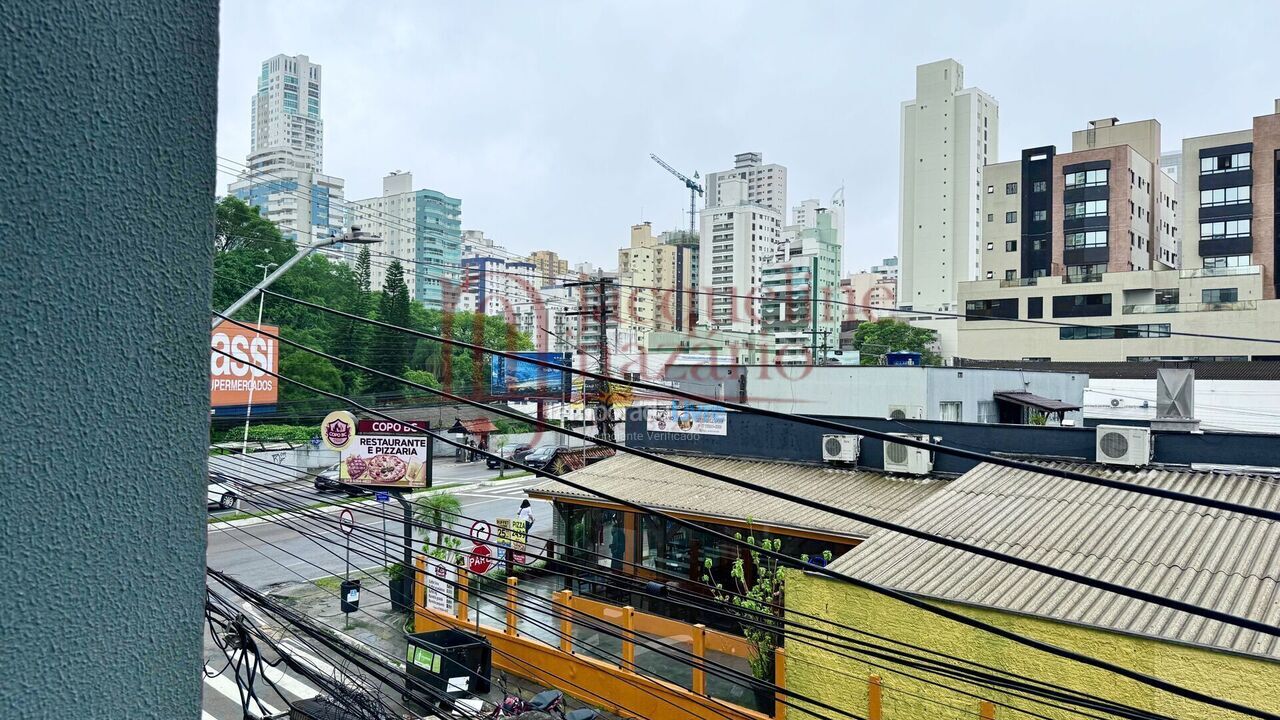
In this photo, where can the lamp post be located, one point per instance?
(355, 236)
(248, 410)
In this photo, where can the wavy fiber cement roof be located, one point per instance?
(1215, 559)
(644, 481)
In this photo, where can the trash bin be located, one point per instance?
(445, 665)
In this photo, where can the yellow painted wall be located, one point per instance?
(842, 681)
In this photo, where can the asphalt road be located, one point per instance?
(265, 553)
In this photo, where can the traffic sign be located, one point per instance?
(480, 560)
(315, 441)
(481, 532)
(382, 497)
(347, 521)
(520, 558)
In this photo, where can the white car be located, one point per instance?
(222, 497)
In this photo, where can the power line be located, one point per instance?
(1150, 597)
(817, 422)
(802, 638)
(902, 597)
(711, 664)
(614, 632)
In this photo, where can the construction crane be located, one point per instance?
(694, 191)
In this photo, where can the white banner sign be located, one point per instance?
(687, 418)
(440, 581)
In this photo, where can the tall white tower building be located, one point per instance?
(948, 133)
(739, 236)
(282, 177)
(285, 112)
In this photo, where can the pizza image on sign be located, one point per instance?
(386, 469)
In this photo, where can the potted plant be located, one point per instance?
(756, 599)
(400, 580)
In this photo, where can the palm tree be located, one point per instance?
(438, 510)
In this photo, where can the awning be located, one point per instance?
(475, 426)
(1032, 400)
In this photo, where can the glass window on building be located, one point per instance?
(988, 412)
(950, 410)
(1219, 295)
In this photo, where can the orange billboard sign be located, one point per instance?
(232, 381)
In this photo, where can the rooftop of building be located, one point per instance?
(1205, 370)
(644, 481)
(1215, 559)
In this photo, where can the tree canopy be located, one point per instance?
(246, 241)
(874, 339)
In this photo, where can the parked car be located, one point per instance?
(327, 481)
(514, 453)
(542, 455)
(222, 497)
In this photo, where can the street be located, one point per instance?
(291, 548)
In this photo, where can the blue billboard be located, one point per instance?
(515, 378)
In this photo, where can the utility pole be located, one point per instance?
(813, 308)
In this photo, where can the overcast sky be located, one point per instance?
(541, 115)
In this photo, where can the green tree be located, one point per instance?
(874, 339)
(391, 348)
(422, 377)
(355, 336)
(439, 510)
(756, 596)
(239, 226)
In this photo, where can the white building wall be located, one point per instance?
(948, 134)
(736, 240)
(1240, 405)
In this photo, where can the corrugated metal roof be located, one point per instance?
(644, 481)
(1212, 558)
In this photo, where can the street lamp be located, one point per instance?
(248, 410)
(355, 236)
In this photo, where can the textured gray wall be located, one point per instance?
(107, 115)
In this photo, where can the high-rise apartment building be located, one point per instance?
(654, 283)
(738, 237)
(1229, 195)
(1221, 285)
(421, 227)
(801, 294)
(1103, 207)
(550, 267)
(304, 205)
(282, 175)
(766, 185)
(869, 293)
(949, 132)
(285, 111)
(496, 285)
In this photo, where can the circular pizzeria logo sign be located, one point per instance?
(338, 430)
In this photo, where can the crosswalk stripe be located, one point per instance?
(320, 666)
(288, 683)
(228, 688)
(204, 715)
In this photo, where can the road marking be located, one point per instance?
(230, 690)
(204, 715)
(289, 684)
(319, 665)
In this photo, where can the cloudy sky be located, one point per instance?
(541, 115)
